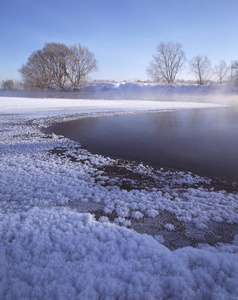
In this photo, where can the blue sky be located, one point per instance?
(122, 34)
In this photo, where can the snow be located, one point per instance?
(169, 226)
(49, 107)
(51, 245)
(145, 87)
(56, 253)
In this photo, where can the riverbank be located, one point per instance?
(64, 214)
(129, 90)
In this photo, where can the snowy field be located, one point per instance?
(69, 230)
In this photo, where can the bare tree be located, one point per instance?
(235, 67)
(46, 68)
(57, 65)
(233, 70)
(7, 84)
(167, 62)
(57, 57)
(82, 62)
(200, 66)
(221, 71)
(36, 72)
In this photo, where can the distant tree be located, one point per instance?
(18, 85)
(221, 71)
(200, 67)
(81, 63)
(234, 72)
(45, 68)
(56, 58)
(167, 62)
(7, 84)
(231, 72)
(57, 65)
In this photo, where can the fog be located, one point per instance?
(203, 141)
(227, 95)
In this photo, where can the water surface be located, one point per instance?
(203, 141)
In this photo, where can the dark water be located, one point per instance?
(203, 141)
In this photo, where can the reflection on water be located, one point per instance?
(203, 141)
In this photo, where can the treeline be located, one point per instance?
(60, 66)
(9, 84)
(170, 60)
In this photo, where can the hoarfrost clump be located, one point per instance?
(137, 215)
(169, 227)
(123, 211)
(104, 219)
(64, 254)
(142, 169)
(200, 225)
(152, 213)
(122, 221)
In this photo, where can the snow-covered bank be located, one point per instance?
(133, 87)
(224, 94)
(49, 107)
(51, 248)
(159, 88)
(59, 254)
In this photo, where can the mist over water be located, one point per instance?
(203, 97)
(203, 141)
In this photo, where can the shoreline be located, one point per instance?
(173, 239)
(128, 179)
(223, 176)
(69, 216)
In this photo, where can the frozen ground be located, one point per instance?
(64, 214)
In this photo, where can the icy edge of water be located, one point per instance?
(52, 248)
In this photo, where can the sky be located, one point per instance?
(122, 35)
